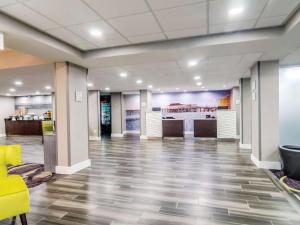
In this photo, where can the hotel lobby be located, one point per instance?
(149, 112)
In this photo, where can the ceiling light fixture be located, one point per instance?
(177, 88)
(203, 87)
(18, 83)
(48, 87)
(235, 11)
(7, 94)
(90, 84)
(37, 93)
(150, 86)
(198, 83)
(107, 89)
(197, 77)
(224, 86)
(123, 74)
(139, 81)
(95, 33)
(12, 90)
(192, 63)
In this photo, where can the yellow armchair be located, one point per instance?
(14, 194)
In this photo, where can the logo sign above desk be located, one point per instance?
(1, 41)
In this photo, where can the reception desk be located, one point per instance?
(172, 128)
(23, 127)
(205, 128)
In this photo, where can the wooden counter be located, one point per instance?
(23, 127)
(205, 128)
(172, 128)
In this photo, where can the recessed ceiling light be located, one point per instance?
(177, 89)
(37, 93)
(150, 86)
(192, 63)
(48, 87)
(203, 87)
(123, 74)
(139, 81)
(235, 11)
(7, 94)
(198, 83)
(107, 89)
(95, 33)
(12, 90)
(18, 83)
(224, 85)
(90, 84)
(197, 77)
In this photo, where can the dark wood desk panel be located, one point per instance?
(205, 128)
(173, 128)
(23, 127)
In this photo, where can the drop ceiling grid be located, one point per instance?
(159, 11)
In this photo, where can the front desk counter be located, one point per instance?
(205, 128)
(172, 128)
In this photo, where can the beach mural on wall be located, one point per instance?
(132, 112)
(191, 105)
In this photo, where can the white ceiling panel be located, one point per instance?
(186, 33)
(219, 10)
(116, 8)
(70, 37)
(147, 38)
(109, 35)
(64, 12)
(159, 4)
(191, 16)
(271, 21)
(7, 2)
(24, 13)
(279, 7)
(140, 24)
(229, 27)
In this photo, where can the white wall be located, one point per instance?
(7, 108)
(289, 105)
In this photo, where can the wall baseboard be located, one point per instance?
(117, 135)
(74, 168)
(265, 164)
(132, 132)
(245, 146)
(143, 137)
(94, 138)
(189, 132)
(2, 135)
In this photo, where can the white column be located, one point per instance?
(94, 115)
(145, 106)
(265, 114)
(71, 118)
(116, 115)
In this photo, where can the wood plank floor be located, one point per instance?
(170, 182)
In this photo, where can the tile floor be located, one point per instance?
(170, 182)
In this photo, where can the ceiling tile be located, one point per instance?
(109, 36)
(116, 8)
(280, 7)
(7, 2)
(147, 38)
(159, 4)
(184, 17)
(229, 27)
(271, 21)
(186, 33)
(70, 38)
(29, 16)
(66, 12)
(140, 24)
(219, 10)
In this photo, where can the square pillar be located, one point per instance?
(145, 106)
(71, 118)
(245, 108)
(265, 114)
(116, 115)
(94, 115)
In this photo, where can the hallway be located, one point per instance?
(163, 182)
